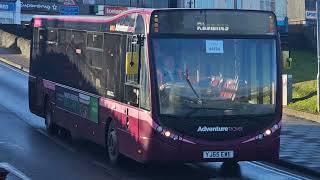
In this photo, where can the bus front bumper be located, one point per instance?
(158, 151)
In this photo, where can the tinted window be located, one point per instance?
(52, 35)
(144, 81)
(62, 36)
(95, 40)
(112, 46)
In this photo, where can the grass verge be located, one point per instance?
(304, 91)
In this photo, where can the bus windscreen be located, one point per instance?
(215, 22)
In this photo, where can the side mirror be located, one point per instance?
(287, 60)
(132, 63)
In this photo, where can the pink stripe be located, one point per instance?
(49, 84)
(249, 140)
(187, 141)
(143, 11)
(140, 114)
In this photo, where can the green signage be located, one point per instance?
(85, 106)
(94, 109)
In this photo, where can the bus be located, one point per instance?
(162, 85)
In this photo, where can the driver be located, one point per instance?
(167, 72)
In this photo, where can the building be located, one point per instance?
(10, 12)
(311, 12)
(30, 8)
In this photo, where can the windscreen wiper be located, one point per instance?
(186, 76)
(213, 108)
(196, 109)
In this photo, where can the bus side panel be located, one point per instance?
(35, 86)
(35, 91)
(127, 133)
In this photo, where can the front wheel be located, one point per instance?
(50, 125)
(113, 144)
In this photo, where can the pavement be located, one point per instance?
(300, 144)
(301, 114)
(300, 138)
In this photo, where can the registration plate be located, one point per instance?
(217, 154)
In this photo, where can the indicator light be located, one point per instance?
(268, 132)
(175, 137)
(167, 133)
(159, 129)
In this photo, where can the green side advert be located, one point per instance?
(85, 106)
(94, 109)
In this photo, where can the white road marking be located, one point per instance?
(278, 171)
(8, 144)
(56, 141)
(14, 171)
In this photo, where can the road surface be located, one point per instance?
(30, 153)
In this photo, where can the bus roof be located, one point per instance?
(92, 18)
(88, 18)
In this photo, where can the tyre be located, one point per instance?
(231, 169)
(51, 127)
(113, 153)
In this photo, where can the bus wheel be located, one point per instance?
(113, 144)
(51, 127)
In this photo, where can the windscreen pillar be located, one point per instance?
(287, 89)
(3, 174)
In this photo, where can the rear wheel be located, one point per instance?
(51, 127)
(114, 155)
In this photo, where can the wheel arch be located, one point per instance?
(107, 124)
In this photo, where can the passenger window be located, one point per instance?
(111, 65)
(132, 87)
(145, 82)
(62, 39)
(52, 35)
(95, 40)
(131, 47)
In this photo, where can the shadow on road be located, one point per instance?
(130, 169)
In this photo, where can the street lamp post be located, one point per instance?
(191, 3)
(318, 55)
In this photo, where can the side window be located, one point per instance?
(132, 86)
(52, 35)
(145, 101)
(111, 65)
(131, 47)
(95, 40)
(76, 54)
(62, 36)
(35, 43)
(94, 57)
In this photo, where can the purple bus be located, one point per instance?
(165, 85)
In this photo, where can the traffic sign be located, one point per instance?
(69, 10)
